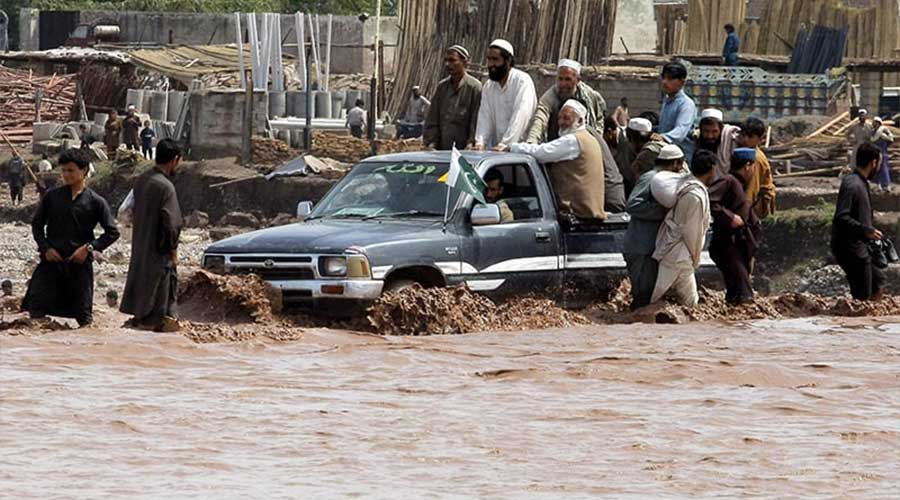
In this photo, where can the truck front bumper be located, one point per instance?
(348, 289)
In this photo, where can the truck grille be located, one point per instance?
(276, 274)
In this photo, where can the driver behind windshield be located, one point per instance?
(493, 193)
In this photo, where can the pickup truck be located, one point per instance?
(382, 228)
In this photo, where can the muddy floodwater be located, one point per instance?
(769, 409)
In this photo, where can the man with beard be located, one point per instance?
(644, 148)
(643, 227)
(676, 118)
(736, 229)
(507, 100)
(679, 242)
(718, 137)
(453, 114)
(544, 125)
(852, 227)
(152, 284)
(63, 227)
(575, 166)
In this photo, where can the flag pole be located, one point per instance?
(447, 203)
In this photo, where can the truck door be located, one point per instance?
(518, 256)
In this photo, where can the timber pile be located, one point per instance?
(671, 27)
(17, 101)
(104, 87)
(705, 22)
(540, 32)
(347, 148)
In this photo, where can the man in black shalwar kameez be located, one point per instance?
(63, 227)
(152, 284)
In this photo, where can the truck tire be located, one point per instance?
(398, 285)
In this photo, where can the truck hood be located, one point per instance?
(331, 236)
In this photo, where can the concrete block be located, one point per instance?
(323, 104)
(45, 131)
(216, 120)
(176, 101)
(100, 119)
(135, 97)
(97, 131)
(277, 104)
(290, 103)
(158, 102)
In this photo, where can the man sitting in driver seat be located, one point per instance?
(494, 191)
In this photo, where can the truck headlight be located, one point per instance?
(333, 266)
(352, 266)
(214, 263)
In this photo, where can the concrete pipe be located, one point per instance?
(352, 96)
(283, 136)
(145, 102)
(300, 104)
(323, 104)
(290, 102)
(297, 139)
(338, 98)
(157, 105)
(100, 119)
(134, 97)
(277, 104)
(176, 101)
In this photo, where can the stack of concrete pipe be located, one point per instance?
(135, 97)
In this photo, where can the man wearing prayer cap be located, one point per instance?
(413, 122)
(736, 228)
(544, 126)
(647, 215)
(507, 100)
(641, 151)
(717, 136)
(453, 114)
(858, 134)
(575, 165)
(882, 138)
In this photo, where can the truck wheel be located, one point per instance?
(398, 285)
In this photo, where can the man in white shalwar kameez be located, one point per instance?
(508, 101)
(683, 231)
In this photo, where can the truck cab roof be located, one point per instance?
(474, 157)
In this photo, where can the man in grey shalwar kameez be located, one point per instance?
(152, 284)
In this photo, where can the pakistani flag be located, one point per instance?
(463, 176)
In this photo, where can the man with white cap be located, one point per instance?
(413, 122)
(882, 138)
(544, 126)
(718, 137)
(507, 100)
(645, 150)
(858, 134)
(647, 215)
(453, 114)
(679, 242)
(575, 166)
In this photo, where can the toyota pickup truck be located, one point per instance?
(383, 228)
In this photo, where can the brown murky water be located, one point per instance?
(773, 409)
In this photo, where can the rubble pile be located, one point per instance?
(204, 333)
(347, 148)
(271, 151)
(18, 90)
(447, 311)
(210, 298)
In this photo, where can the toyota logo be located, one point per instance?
(269, 263)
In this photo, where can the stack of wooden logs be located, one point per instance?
(347, 148)
(706, 21)
(539, 32)
(18, 90)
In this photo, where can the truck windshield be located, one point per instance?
(372, 190)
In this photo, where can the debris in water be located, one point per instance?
(22, 326)
(203, 333)
(441, 311)
(210, 298)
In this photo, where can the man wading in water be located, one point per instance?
(152, 284)
(63, 227)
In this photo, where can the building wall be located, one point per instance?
(643, 93)
(182, 28)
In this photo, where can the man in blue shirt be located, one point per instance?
(732, 45)
(676, 119)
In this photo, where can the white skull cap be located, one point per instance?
(571, 64)
(640, 125)
(579, 108)
(712, 113)
(670, 152)
(503, 44)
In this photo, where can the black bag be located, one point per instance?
(883, 253)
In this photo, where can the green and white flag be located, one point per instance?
(462, 176)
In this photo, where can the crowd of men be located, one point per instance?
(673, 183)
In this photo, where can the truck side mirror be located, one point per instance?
(304, 208)
(485, 214)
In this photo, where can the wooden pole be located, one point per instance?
(247, 123)
(300, 30)
(328, 56)
(240, 48)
